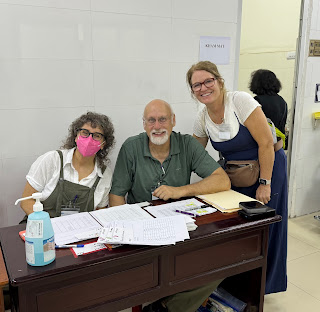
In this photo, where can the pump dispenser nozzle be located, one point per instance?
(37, 196)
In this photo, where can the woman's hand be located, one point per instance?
(263, 193)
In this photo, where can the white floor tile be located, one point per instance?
(298, 249)
(293, 300)
(306, 229)
(304, 273)
(303, 293)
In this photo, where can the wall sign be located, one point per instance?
(215, 49)
(314, 48)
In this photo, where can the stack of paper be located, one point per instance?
(190, 223)
(74, 228)
(159, 231)
(86, 225)
(192, 205)
(227, 201)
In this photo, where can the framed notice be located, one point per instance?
(215, 49)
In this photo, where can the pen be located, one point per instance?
(75, 198)
(195, 208)
(68, 246)
(187, 213)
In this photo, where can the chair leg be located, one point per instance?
(2, 300)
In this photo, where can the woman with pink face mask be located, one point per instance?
(75, 178)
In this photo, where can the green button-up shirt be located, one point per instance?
(138, 173)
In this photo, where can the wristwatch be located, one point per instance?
(264, 181)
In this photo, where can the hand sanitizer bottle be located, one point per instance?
(39, 243)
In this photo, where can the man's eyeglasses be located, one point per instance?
(151, 121)
(97, 136)
(208, 83)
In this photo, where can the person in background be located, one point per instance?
(75, 178)
(265, 84)
(158, 164)
(237, 128)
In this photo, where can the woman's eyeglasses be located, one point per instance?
(97, 136)
(208, 83)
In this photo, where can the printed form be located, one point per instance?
(85, 225)
(123, 212)
(159, 231)
(67, 228)
(192, 205)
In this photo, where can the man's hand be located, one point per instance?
(218, 181)
(166, 192)
(263, 193)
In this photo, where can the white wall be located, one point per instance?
(60, 58)
(304, 184)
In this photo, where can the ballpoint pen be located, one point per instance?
(68, 246)
(187, 213)
(75, 199)
(195, 208)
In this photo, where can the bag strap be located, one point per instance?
(276, 133)
(273, 130)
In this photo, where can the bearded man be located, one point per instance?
(158, 162)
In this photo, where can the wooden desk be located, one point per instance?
(3, 280)
(128, 276)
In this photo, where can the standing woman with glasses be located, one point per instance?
(75, 178)
(238, 129)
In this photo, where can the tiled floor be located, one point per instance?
(303, 292)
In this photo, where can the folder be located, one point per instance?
(226, 201)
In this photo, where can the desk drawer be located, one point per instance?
(75, 292)
(206, 257)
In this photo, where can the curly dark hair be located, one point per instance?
(264, 81)
(95, 120)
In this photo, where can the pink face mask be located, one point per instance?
(88, 146)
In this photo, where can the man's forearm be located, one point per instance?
(115, 200)
(218, 181)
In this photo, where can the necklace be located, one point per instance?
(221, 119)
(214, 118)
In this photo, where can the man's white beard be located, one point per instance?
(159, 140)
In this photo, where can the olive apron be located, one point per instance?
(68, 195)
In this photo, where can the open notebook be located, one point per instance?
(226, 201)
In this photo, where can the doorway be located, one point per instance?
(270, 40)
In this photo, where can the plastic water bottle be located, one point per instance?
(39, 243)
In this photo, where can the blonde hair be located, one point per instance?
(208, 67)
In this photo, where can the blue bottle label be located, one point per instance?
(30, 252)
(49, 249)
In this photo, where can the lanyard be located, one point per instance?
(162, 174)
